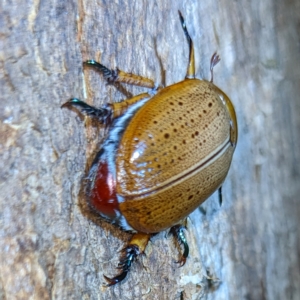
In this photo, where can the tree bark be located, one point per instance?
(51, 246)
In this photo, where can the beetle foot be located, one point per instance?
(110, 75)
(129, 256)
(102, 114)
(115, 280)
(181, 262)
(178, 232)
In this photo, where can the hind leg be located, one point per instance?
(135, 247)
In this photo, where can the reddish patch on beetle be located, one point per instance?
(103, 193)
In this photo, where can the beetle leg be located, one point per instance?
(108, 112)
(119, 108)
(213, 62)
(119, 76)
(220, 195)
(135, 247)
(191, 66)
(131, 252)
(178, 233)
(103, 113)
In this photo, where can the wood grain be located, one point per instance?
(51, 246)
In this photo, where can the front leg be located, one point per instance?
(120, 76)
(103, 114)
(108, 112)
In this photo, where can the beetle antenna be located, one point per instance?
(191, 66)
(214, 61)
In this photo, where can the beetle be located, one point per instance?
(166, 152)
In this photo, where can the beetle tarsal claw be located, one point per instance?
(102, 114)
(110, 75)
(178, 232)
(182, 261)
(130, 254)
(116, 279)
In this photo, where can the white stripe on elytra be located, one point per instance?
(202, 164)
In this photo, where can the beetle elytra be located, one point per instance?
(165, 153)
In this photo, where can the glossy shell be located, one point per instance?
(171, 155)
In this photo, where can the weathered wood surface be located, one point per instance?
(51, 247)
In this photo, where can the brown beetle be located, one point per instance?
(166, 152)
